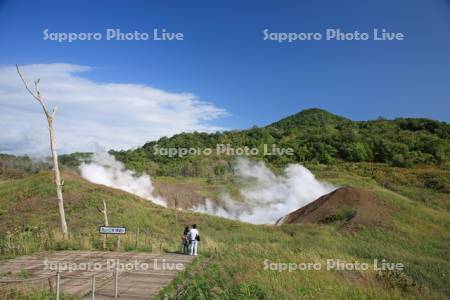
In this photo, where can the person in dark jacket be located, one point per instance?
(185, 241)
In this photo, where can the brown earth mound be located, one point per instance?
(354, 207)
(179, 194)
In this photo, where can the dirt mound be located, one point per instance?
(352, 206)
(179, 194)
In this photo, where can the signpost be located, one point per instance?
(113, 230)
(119, 230)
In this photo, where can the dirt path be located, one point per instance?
(140, 275)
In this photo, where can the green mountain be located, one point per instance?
(310, 118)
(315, 136)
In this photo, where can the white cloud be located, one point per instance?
(112, 115)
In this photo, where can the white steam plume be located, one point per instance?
(267, 197)
(105, 169)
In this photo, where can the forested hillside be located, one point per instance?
(315, 135)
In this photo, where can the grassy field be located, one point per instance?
(234, 254)
(418, 237)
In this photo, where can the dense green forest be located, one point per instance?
(315, 135)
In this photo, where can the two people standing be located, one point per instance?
(189, 240)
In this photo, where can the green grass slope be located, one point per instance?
(28, 210)
(232, 264)
(417, 237)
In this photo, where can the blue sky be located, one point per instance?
(224, 61)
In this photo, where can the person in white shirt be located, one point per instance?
(194, 238)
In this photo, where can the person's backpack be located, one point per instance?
(197, 238)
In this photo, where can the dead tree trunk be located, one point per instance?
(50, 118)
(104, 211)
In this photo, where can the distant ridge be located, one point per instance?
(315, 136)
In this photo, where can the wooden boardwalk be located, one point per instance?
(140, 275)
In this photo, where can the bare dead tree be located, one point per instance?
(36, 94)
(104, 211)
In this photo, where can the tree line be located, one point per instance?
(315, 135)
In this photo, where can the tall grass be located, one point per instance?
(25, 243)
